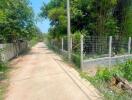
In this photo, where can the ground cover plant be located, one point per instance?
(103, 81)
(3, 76)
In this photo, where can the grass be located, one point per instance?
(3, 76)
(75, 57)
(102, 78)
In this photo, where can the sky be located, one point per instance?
(43, 24)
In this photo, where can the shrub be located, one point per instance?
(104, 74)
(126, 69)
(3, 66)
(76, 59)
(3, 69)
(122, 70)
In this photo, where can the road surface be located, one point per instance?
(43, 75)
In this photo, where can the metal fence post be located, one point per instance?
(81, 61)
(129, 45)
(110, 50)
(62, 44)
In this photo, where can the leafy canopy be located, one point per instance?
(16, 19)
(90, 17)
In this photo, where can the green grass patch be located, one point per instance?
(102, 81)
(3, 76)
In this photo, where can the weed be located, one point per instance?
(103, 75)
(126, 69)
(3, 75)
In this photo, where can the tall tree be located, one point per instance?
(91, 17)
(17, 19)
(123, 13)
(56, 12)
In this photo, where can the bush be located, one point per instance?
(3, 69)
(34, 40)
(126, 69)
(2, 66)
(104, 74)
(76, 59)
(3, 85)
(122, 70)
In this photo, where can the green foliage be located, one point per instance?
(104, 74)
(123, 14)
(95, 17)
(92, 16)
(77, 36)
(76, 59)
(56, 12)
(2, 67)
(121, 70)
(35, 39)
(126, 69)
(3, 71)
(16, 20)
(128, 20)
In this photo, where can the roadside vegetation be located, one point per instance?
(37, 38)
(17, 24)
(17, 21)
(105, 81)
(89, 17)
(3, 77)
(95, 19)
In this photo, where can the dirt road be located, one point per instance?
(42, 75)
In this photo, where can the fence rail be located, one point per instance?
(86, 49)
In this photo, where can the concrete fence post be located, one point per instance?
(129, 45)
(71, 44)
(17, 49)
(69, 47)
(110, 50)
(81, 56)
(2, 55)
(62, 44)
(0, 52)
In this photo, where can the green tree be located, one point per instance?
(123, 13)
(17, 18)
(56, 12)
(91, 17)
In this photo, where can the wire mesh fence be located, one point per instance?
(96, 47)
(91, 47)
(54, 44)
(119, 46)
(61, 46)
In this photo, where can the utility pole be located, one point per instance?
(69, 29)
